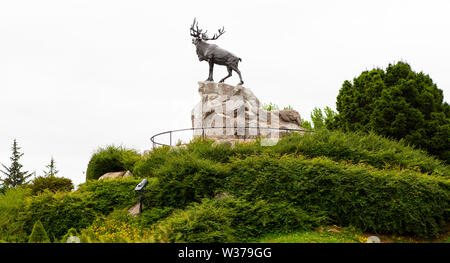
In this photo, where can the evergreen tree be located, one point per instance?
(51, 169)
(398, 103)
(14, 175)
(38, 235)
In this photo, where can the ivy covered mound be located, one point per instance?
(244, 193)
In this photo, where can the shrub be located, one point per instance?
(59, 212)
(12, 204)
(231, 220)
(184, 179)
(258, 218)
(119, 227)
(153, 215)
(361, 148)
(205, 223)
(386, 201)
(38, 235)
(108, 195)
(52, 184)
(111, 159)
(222, 152)
(146, 166)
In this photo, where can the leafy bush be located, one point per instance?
(146, 166)
(52, 184)
(385, 201)
(222, 152)
(108, 195)
(59, 212)
(184, 179)
(230, 220)
(361, 148)
(12, 203)
(354, 147)
(119, 227)
(38, 235)
(111, 159)
(153, 215)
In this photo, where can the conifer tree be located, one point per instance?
(14, 174)
(38, 235)
(51, 169)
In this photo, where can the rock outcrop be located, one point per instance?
(240, 111)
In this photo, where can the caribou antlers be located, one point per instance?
(198, 33)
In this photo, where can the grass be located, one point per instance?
(334, 234)
(328, 234)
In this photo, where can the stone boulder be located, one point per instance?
(134, 210)
(115, 175)
(240, 111)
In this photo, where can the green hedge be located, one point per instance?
(184, 179)
(108, 195)
(361, 147)
(146, 166)
(111, 159)
(351, 147)
(231, 220)
(59, 212)
(386, 201)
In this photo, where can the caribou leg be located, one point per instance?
(211, 68)
(229, 75)
(239, 73)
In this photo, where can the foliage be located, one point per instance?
(359, 147)
(307, 125)
(119, 227)
(260, 217)
(52, 184)
(12, 202)
(270, 107)
(346, 235)
(38, 235)
(230, 220)
(185, 179)
(51, 169)
(395, 201)
(320, 121)
(59, 212)
(398, 103)
(208, 192)
(14, 174)
(109, 194)
(153, 215)
(146, 166)
(111, 159)
(222, 152)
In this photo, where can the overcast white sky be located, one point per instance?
(76, 75)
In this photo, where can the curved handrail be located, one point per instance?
(152, 139)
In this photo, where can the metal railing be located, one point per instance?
(152, 139)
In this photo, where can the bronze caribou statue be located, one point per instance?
(213, 53)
